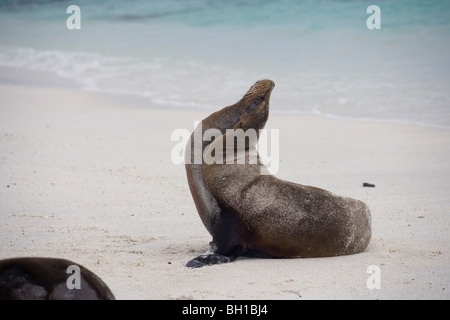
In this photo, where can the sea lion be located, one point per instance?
(248, 212)
(46, 279)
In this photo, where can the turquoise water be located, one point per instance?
(206, 54)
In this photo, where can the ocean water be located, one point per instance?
(207, 53)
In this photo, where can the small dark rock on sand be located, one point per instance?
(369, 185)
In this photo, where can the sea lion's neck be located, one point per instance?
(249, 112)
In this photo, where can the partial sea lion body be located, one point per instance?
(46, 279)
(256, 100)
(255, 212)
(284, 219)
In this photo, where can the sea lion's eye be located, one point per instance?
(252, 106)
(255, 103)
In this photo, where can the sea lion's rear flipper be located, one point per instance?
(208, 259)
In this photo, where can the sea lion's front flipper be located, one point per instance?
(208, 259)
(227, 243)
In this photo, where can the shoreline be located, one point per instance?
(88, 177)
(21, 76)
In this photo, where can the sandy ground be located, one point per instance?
(89, 178)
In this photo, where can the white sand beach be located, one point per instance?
(89, 178)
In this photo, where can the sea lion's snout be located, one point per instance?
(260, 90)
(263, 87)
(266, 82)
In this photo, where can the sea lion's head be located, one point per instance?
(255, 106)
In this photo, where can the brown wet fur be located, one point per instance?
(254, 212)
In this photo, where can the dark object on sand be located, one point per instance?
(49, 279)
(369, 185)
